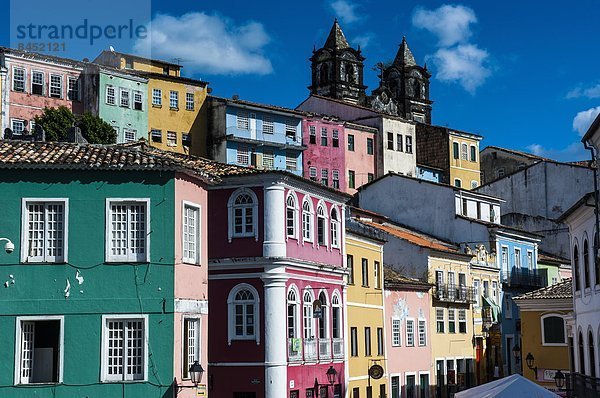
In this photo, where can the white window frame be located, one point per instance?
(71, 79)
(138, 97)
(18, 357)
(172, 138)
(410, 335)
(291, 163)
(242, 152)
(476, 286)
(268, 124)
(312, 173)
(308, 328)
(517, 254)
(130, 132)
(156, 97)
(406, 375)
(24, 79)
(231, 212)
(423, 333)
(126, 97)
(308, 233)
(334, 227)
(128, 257)
(296, 316)
(184, 344)
(52, 85)
(43, 83)
(530, 262)
(24, 230)
(294, 208)
(113, 96)
(268, 159)
(104, 347)
(322, 214)
(190, 102)
(231, 336)
(396, 334)
(198, 225)
(242, 120)
(564, 330)
(174, 99)
(12, 125)
(440, 310)
(464, 311)
(507, 306)
(464, 151)
(453, 320)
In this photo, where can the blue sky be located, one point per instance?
(523, 75)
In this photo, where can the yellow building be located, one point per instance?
(176, 114)
(365, 306)
(545, 339)
(465, 169)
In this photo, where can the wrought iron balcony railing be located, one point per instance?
(525, 278)
(454, 293)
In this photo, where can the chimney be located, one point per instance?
(74, 135)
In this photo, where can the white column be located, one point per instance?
(4, 117)
(274, 243)
(346, 340)
(274, 280)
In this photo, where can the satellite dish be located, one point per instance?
(112, 49)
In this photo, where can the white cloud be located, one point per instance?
(207, 43)
(589, 92)
(572, 152)
(363, 40)
(450, 23)
(345, 10)
(583, 120)
(465, 64)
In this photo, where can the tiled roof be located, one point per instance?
(43, 57)
(563, 290)
(393, 278)
(548, 257)
(516, 152)
(137, 156)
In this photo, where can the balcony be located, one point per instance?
(313, 350)
(583, 386)
(295, 350)
(310, 350)
(338, 348)
(525, 278)
(454, 293)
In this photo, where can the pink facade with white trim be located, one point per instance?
(323, 158)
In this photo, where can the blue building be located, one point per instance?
(429, 173)
(254, 135)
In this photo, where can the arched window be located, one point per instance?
(321, 226)
(243, 311)
(324, 74)
(576, 275)
(243, 217)
(349, 73)
(307, 221)
(592, 354)
(291, 216)
(586, 263)
(324, 321)
(336, 317)
(307, 315)
(553, 330)
(581, 354)
(335, 228)
(292, 313)
(596, 262)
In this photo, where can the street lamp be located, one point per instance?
(331, 374)
(9, 247)
(559, 379)
(517, 352)
(196, 371)
(531, 363)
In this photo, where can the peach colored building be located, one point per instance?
(33, 82)
(361, 155)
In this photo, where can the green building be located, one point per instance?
(556, 268)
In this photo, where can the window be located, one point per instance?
(336, 318)
(310, 393)
(505, 259)
(110, 95)
(124, 97)
(507, 306)
(380, 341)
(457, 183)
(335, 175)
(408, 144)
(553, 330)
(395, 386)
(351, 182)
(37, 83)
(462, 320)
(18, 126)
(422, 333)
(486, 289)
(243, 209)
(321, 226)
(410, 332)
(307, 313)
(495, 291)
(268, 126)
(292, 314)
(291, 216)
(576, 271)
(477, 294)
(517, 258)
(312, 134)
(128, 63)
(39, 356)
(351, 142)
(367, 341)
(45, 230)
(455, 150)
(324, 321)
(370, 177)
(171, 138)
(19, 80)
(32, 125)
(353, 342)
(189, 101)
(127, 229)
(243, 311)
(473, 153)
(268, 160)
(377, 274)
(365, 272)
(191, 233)
(138, 101)
(191, 344)
(586, 264)
(156, 97)
(335, 136)
(165, 70)
(174, 99)
(475, 184)
(290, 128)
(242, 156)
(129, 135)
(350, 266)
(396, 332)
(73, 89)
(325, 177)
(369, 146)
(307, 221)
(399, 143)
(439, 317)
(464, 152)
(323, 136)
(335, 228)
(186, 139)
(290, 161)
(243, 123)
(124, 342)
(312, 173)
(500, 172)
(390, 141)
(451, 321)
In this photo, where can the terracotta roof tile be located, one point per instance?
(392, 278)
(563, 290)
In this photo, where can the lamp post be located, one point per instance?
(196, 371)
(559, 379)
(531, 363)
(331, 375)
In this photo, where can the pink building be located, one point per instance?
(324, 155)
(361, 155)
(31, 82)
(409, 367)
(276, 271)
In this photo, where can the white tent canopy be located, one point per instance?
(514, 386)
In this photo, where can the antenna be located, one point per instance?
(178, 60)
